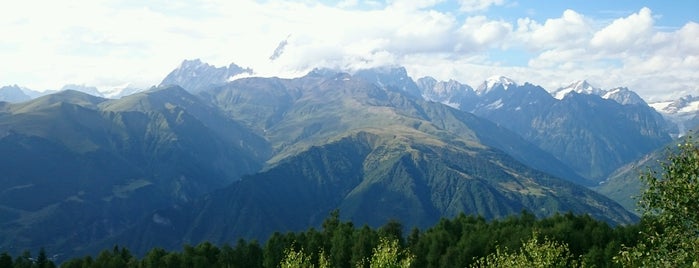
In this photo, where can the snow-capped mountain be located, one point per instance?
(495, 82)
(621, 95)
(195, 75)
(684, 112)
(450, 92)
(576, 123)
(686, 104)
(582, 87)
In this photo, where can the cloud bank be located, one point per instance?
(109, 43)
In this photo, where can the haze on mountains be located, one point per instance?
(78, 168)
(592, 131)
(218, 158)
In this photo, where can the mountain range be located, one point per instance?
(683, 112)
(78, 168)
(210, 156)
(375, 152)
(591, 130)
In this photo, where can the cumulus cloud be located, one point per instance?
(629, 51)
(106, 43)
(625, 33)
(480, 32)
(570, 30)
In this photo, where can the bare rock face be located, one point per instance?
(195, 75)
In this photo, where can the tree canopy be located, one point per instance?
(670, 221)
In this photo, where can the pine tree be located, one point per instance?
(6, 260)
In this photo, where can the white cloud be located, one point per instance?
(625, 33)
(629, 51)
(479, 33)
(570, 30)
(412, 4)
(478, 5)
(106, 43)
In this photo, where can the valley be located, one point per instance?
(201, 158)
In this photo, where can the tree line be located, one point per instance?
(456, 242)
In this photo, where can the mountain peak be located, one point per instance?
(13, 93)
(323, 72)
(393, 78)
(493, 82)
(83, 88)
(580, 86)
(451, 93)
(192, 63)
(623, 95)
(684, 105)
(196, 75)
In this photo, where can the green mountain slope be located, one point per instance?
(75, 169)
(594, 136)
(371, 177)
(624, 185)
(376, 154)
(87, 172)
(294, 114)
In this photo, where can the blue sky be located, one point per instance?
(652, 47)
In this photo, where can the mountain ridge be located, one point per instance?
(78, 174)
(357, 182)
(374, 144)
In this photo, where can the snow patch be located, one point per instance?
(581, 86)
(238, 76)
(452, 104)
(691, 107)
(493, 82)
(158, 219)
(495, 105)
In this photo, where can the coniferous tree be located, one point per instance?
(154, 258)
(42, 261)
(24, 260)
(6, 260)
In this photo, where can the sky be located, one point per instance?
(651, 47)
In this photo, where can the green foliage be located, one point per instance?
(389, 255)
(670, 236)
(299, 259)
(457, 242)
(532, 254)
(5, 260)
(296, 259)
(42, 261)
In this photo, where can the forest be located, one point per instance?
(666, 236)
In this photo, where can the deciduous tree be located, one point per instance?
(670, 234)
